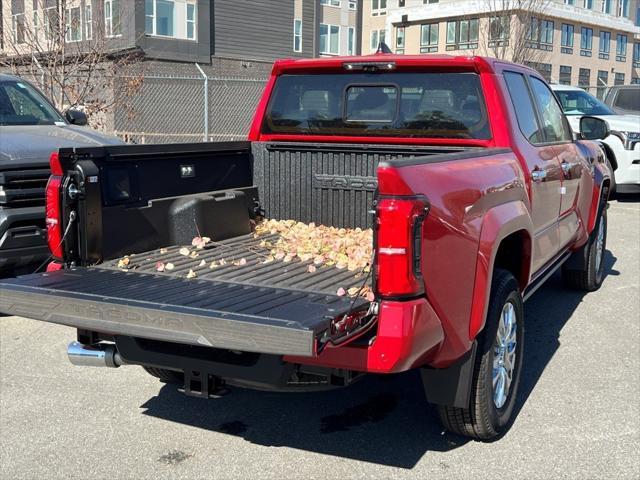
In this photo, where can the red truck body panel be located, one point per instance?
(475, 203)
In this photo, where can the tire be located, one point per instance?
(588, 277)
(489, 413)
(167, 376)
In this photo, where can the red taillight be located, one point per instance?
(399, 246)
(53, 217)
(53, 210)
(54, 163)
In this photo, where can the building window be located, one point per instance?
(429, 37)
(191, 21)
(88, 21)
(570, 2)
(543, 68)
(588, 4)
(18, 28)
(499, 31)
(636, 55)
(567, 38)
(112, 26)
(584, 77)
(586, 41)
(565, 75)
(351, 41)
(378, 7)
(606, 6)
(163, 19)
(36, 24)
(605, 39)
(297, 35)
(621, 48)
(618, 79)
(329, 39)
(462, 34)
(602, 83)
(540, 34)
(377, 37)
(73, 25)
(51, 21)
(400, 40)
(353, 5)
(623, 8)
(400, 3)
(331, 3)
(430, 1)
(635, 81)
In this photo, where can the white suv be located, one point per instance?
(622, 146)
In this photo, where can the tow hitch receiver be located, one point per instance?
(203, 385)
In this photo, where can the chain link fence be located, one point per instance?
(169, 109)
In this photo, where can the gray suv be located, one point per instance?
(30, 129)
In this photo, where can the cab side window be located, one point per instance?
(553, 124)
(523, 106)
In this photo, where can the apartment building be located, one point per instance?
(160, 29)
(188, 30)
(338, 27)
(578, 42)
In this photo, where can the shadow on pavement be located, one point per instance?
(383, 420)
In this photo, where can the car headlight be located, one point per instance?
(629, 139)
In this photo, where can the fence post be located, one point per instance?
(206, 103)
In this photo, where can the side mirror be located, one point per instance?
(76, 117)
(593, 128)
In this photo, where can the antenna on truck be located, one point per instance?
(383, 49)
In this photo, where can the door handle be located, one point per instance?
(538, 175)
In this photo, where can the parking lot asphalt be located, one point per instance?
(578, 414)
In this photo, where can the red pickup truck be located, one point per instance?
(465, 169)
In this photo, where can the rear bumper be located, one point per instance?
(409, 332)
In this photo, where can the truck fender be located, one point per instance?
(497, 224)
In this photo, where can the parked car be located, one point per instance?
(624, 99)
(465, 168)
(622, 145)
(30, 129)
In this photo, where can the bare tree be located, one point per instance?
(515, 32)
(68, 54)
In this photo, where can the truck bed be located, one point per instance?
(288, 275)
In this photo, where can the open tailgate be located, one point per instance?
(196, 311)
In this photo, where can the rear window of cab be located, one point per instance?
(402, 104)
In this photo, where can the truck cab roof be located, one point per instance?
(472, 63)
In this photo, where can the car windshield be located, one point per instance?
(21, 104)
(445, 105)
(579, 102)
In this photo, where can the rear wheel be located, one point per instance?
(168, 376)
(588, 277)
(498, 365)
